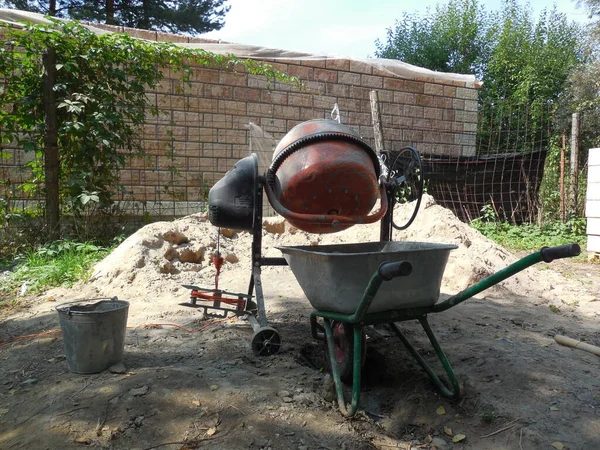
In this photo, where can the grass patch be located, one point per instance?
(60, 263)
(530, 236)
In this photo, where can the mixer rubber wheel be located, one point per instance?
(343, 348)
(266, 341)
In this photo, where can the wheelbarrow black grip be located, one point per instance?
(549, 254)
(389, 270)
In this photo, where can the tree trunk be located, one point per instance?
(145, 19)
(52, 8)
(51, 160)
(110, 12)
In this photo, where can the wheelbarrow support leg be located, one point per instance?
(356, 368)
(454, 390)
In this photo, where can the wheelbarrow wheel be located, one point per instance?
(343, 348)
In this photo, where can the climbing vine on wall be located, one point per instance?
(100, 102)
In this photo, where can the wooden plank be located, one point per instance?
(593, 244)
(594, 157)
(592, 208)
(593, 226)
(594, 174)
(376, 117)
(593, 191)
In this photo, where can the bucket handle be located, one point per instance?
(334, 220)
(67, 310)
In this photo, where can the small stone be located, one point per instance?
(30, 381)
(171, 254)
(306, 398)
(138, 421)
(440, 443)
(231, 258)
(287, 399)
(169, 267)
(175, 237)
(283, 394)
(190, 256)
(192, 268)
(139, 392)
(274, 225)
(227, 232)
(118, 368)
(152, 243)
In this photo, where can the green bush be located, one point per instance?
(60, 263)
(531, 236)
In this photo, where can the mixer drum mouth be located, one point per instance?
(324, 178)
(232, 200)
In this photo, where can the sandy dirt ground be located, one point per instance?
(181, 390)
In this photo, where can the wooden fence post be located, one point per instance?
(574, 184)
(562, 178)
(376, 115)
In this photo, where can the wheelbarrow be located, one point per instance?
(352, 286)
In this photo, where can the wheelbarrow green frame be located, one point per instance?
(361, 318)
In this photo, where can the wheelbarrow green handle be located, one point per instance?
(546, 254)
(549, 254)
(389, 270)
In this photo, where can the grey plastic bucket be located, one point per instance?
(93, 333)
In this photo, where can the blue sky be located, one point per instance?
(339, 27)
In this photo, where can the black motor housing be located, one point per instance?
(232, 200)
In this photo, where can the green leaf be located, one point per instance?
(459, 438)
(29, 147)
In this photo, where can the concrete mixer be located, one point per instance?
(323, 178)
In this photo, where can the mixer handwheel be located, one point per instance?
(266, 341)
(406, 176)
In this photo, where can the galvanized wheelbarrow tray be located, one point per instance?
(402, 282)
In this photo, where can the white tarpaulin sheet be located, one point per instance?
(393, 67)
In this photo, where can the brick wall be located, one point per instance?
(201, 131)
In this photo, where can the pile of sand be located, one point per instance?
(162, 256)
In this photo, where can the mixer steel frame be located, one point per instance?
(266, 340)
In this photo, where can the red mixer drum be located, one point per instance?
(324, 178)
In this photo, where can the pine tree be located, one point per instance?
(184, 16)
